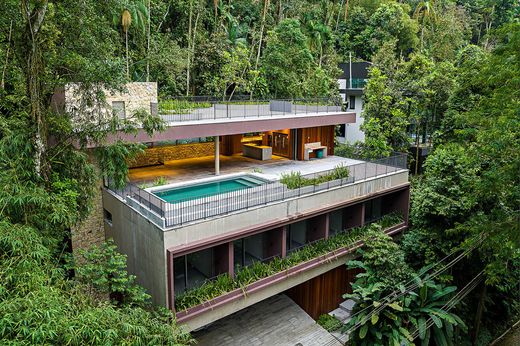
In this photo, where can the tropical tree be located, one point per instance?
(394, 305)
(425, 11)
(136, 13)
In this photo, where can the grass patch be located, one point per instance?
(295, 180)
(329, 323)
(244, 276)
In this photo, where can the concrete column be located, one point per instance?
(217, 155)
(404, 203)
(171, 279)
(284, 241)
(224, 259)
(362, 214)
(327, 225)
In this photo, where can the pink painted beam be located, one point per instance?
(221, 128)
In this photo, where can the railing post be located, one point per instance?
(214, 111)
(227, 109)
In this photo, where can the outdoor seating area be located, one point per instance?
(316, 147)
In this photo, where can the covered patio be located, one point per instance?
(203, 167)
(200, 167)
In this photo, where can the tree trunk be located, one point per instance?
(148, 43)
(127, 63)
(478, 314)
(346, 11)
(194, 35)
(2, 82)
(189, 47)
(417, 147)
(339, 14)
(34, 71)
(266, 6)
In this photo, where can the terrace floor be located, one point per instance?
(203, 167)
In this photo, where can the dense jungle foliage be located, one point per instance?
(445, 71)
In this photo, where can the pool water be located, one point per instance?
(190, 192)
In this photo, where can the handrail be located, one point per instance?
(202, 108)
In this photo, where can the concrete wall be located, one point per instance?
(136, 96)
(353, 132)
(142, 242)
(146, 245)
(161, 154)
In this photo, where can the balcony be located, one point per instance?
(214, 297)
(358, 83)
(207, 118)
(166, 215)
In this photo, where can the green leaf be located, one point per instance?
(376, 304)
(422, 328)
(363, 331)
(437, 321)
(426, 340)
(374, 319)
(396, 306)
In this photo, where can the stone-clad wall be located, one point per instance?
(92, 230)
(138, 95)
(159, 155)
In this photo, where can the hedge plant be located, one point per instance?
(295, 180)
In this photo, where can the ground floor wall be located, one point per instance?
(141, 241)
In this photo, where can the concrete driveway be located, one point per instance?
(275, 321)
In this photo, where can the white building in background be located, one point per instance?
(351, 85)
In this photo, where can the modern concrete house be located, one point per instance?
(351, 84)
(209, 200)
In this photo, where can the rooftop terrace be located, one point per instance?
(217, 118)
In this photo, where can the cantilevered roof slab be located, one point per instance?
(176, 130)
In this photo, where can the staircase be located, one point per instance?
(343, 313)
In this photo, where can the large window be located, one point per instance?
(352, 102)
(260, 247)
(336, 223)
(193, 269)
(118, 109)
(373, 210)
(296, 235)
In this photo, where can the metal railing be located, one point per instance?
(166, 214)
(358, 83)
(200, 108)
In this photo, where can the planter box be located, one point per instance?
(257, 286)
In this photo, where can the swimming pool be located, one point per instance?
(211, 188)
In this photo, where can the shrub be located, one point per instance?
(329, 323)
(181, 106)
(160, 181)
(295, 180)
